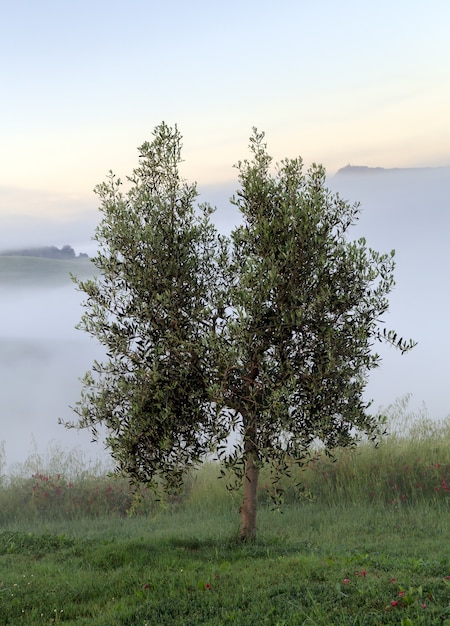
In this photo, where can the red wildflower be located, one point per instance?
(207, 586)
(394, 603)
(346, 581)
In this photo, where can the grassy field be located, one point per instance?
(365, 541)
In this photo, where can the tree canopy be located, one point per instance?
(267, 335)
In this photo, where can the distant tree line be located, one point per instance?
(47, 252)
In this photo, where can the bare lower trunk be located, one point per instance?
(249, 504)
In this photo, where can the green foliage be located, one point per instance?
(308, 303)
(268, 336)
(153, 308)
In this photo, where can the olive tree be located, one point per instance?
(268, 335)
(307, 305)
(151, 306)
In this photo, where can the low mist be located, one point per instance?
(409, 210)
(42, 356)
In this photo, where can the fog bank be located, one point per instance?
(42, 356)
(409, 211)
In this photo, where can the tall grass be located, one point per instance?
(411, 465)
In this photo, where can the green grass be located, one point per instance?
(313, 565)
(346, 549)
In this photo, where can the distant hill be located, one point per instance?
(19, 271)
(46, 252)
(358, 169)
(364, 169)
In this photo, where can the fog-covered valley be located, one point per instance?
(42, 356)
(409, 210)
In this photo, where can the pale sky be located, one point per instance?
(84, 83)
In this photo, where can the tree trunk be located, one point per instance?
(248, 508)
(249, 504)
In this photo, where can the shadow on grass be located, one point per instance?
(107, 554)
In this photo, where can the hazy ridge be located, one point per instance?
(366, 169)
(23, 271)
